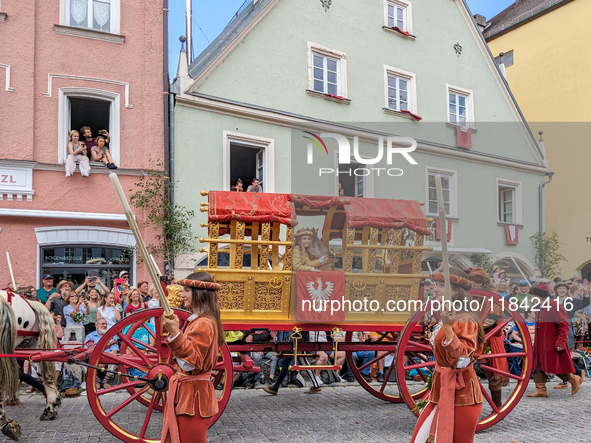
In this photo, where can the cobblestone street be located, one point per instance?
(338, 414)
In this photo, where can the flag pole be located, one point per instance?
(168, 313)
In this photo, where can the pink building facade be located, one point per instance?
(65, 64)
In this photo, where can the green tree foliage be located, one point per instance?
(483, 261)
(171, 222)
(548, 257)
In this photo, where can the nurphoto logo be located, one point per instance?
(393, 145)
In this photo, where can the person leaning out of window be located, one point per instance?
(100, 153)
(77, 153)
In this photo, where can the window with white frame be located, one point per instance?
(509, 196)
(460, 104)
(326, 74)
(396, 16)
(247, 157)
(401, 91)
(327, 71)
(449, 187)
(79, 107)
(98, 15)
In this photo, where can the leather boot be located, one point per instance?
(575, 382)
(541, 391)
(497, 398)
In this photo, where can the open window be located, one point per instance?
(247, 162)
(88, 107)
(247, 157)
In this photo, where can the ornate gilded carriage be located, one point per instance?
(378, 244)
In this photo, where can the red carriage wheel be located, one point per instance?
(387, 391)
(145, 401)
(414, 353)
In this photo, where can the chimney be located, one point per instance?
(480, 21)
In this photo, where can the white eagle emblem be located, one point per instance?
(318, 294)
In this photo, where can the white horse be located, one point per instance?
(20, 318)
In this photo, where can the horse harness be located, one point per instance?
(9, 295)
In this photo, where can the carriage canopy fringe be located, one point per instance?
(249, 207)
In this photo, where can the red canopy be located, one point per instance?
(382, 213)
(250, 207)
(261, 207)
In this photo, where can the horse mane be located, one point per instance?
(47, 336)
(8, 366)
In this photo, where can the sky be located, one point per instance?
(212, 16)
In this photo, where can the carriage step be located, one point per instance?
(326, 367)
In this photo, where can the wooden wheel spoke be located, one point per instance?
(149, 414)
(134, 348)
(485, 312)
(419, 356)
(121, 360)
(488, 399)
(497, 328)
(128, 401)
(119, 387)
(498, 371)
(416, 346)
(419, 365)
(387, 377)
(426, 396)
(375, 360)
(141, 343)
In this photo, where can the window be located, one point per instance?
(97, 15)
(246, 157)
(327, 73)
(396, 16)
(80, 107)
(507, 59)
(76, 262)
(354, 178)
(509, 197)
(246, 163)
(460, 104)
(449, 185)
(401, 91)
(398, 97)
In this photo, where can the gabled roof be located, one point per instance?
(228, 35)
(519, 13)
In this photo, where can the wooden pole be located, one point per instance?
(14, 288)
(443, 233)
(140, 244)
(521, 272)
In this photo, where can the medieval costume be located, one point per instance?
(455, 401)
(550, 351)
(496, 382)
(311, 258)
(192, 402)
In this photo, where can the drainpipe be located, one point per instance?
(541, 210)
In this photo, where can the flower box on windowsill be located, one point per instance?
(330, 97)
(3, 16)
(89, 33)
(399, 114)
(399, 33)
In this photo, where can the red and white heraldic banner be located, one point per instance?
(315, 291)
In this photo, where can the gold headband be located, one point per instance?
(199, 284)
